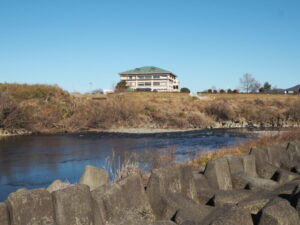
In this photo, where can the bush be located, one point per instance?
(121, 86)
(185, 90)
(97, 91)
(37, 91)
(222, 91)
(209, 91)
(198, 120)
(7, 106)
(220, 110)
(229, 91)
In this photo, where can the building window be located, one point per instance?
(163, 76)
(156, 83)
(141, 77)
(163, 83)
(147, 83)
(156, 76)
(141, 84)
(148, 77)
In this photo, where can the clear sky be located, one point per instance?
(83, 45)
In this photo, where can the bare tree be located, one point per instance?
(249, 83)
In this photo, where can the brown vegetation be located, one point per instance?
(46, 108)
(266, 141)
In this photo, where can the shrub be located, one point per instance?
(229, 91)
(185, 90)
(198, 120)
(220, 110)
(222, 91)
(7, 106)
(37, 91)
(97, 91)
(121, 86)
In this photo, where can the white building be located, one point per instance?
(150, 78)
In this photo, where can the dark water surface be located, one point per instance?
(35, 161)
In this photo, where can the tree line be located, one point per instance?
(250, 85)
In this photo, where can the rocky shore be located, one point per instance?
(13, 132)
(224, 125)
(261, 188)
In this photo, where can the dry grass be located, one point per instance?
(226, 96)
(263, 142)
(46, 108)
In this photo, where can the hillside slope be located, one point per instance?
(42, 108)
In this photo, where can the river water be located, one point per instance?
(35, 161)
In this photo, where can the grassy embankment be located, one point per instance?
(43, 108)
(283, 137)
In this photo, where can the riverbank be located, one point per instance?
(265, 131)
(49, 109)
(265, 139)
(13, 132)
(34, 161)
(260, 188)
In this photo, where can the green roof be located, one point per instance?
(146, 70)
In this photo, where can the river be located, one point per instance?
(35, 161)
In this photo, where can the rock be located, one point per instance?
(261, 155)
(283, 176)
(230, 197)
(137, 221)
(266, 170)
(218, 174)
(22, 189)
(205, 196)
(228, 215)
(93, 177)
(278, 156)
(4, 217)
(200, 181)
(234, 217)
(263, 167)
(184, 209)
(130, 218)
(293, 151)
(57, 185)
(255, 202)
(163, 223)
(113, 201)
(279, 212)
(30, 207)
(133, 170)
(296, 168)
(73, 205)
(235, 163)
(242, 181)
(289, 188)
(176, 178)
(296, 200)
(249, 165)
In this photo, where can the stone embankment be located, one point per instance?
(262, 188)
(12, 132)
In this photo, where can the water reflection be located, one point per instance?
(35, 161)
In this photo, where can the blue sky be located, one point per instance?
(83, 45)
